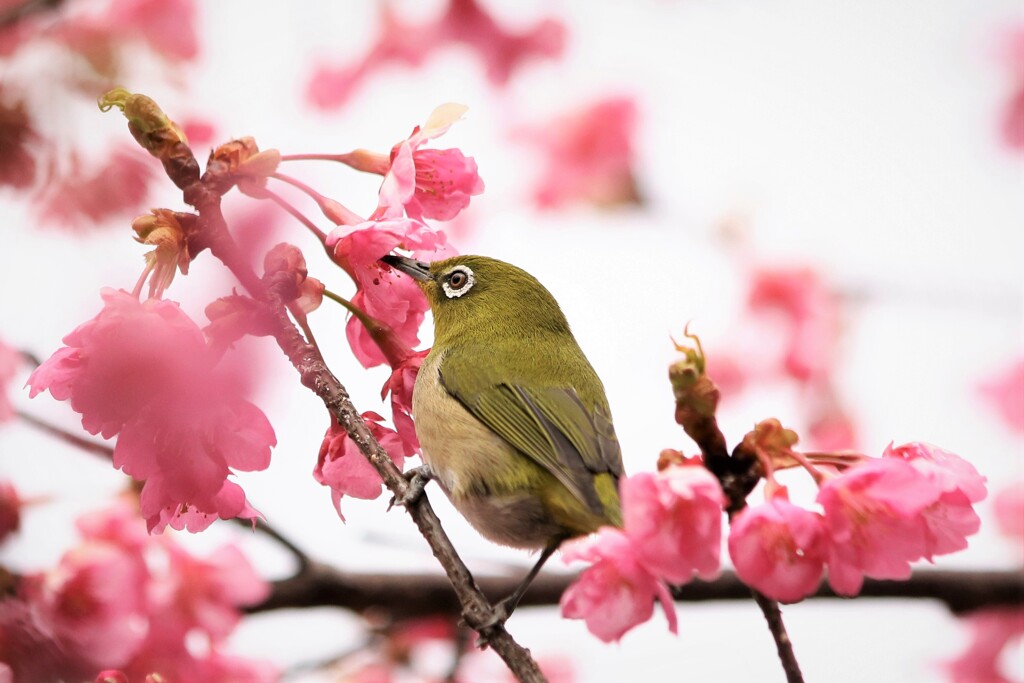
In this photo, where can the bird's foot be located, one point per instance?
(500, 613)
(417, 478)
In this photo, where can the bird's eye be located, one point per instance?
(458, 282)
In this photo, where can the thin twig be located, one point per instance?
(783, 645)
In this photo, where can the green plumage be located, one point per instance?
(511, 416)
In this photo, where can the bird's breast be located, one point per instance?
(489, 481)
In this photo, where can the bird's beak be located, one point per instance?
(417, 270)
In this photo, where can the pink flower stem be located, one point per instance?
(809, 466)
(314, 157)
(383, 336)
(299, 216)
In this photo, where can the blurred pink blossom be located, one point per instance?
(616, 592)
(587, 155)
(143, 371)
(10, 362)
(341, 466)
(80, 197)
(779, 549)
(992, 633)
(167, 26)
(1004, 391)
(811, 314)
(674, 520)
(1009, 508)
(1012, 125)
(93, 603)
(464, 22)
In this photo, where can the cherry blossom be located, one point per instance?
(400, 385)
(1004, 391)
(341, 466)
(83, 197)
(617, 591)
(93, 603)
(992, 632)
(144, 372)
(465, 22)
(10, 362)
(874, 520)
(779, 549)
(674, 519)
(588, 155)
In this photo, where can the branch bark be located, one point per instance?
(404, 596)
(204, 195)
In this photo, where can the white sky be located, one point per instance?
(859, 137)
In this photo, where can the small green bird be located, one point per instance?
(512, 419)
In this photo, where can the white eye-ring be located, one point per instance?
(458, 281)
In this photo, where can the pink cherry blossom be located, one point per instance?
(10, 510)
(951, 518)
(395, 300)
(430, 183)
(84, 197)
(10, 362)
(779, 549)
(617, 591)
(1004, 392)
(1009, 509)
(343, 467)
(143, 371)
(1012, 124)
(810, 312)
(588, 155)
(874, 520)
(465, 22)
(992, 632)
(93, 603)
(400, 385)
(674, 518)
(167, 26)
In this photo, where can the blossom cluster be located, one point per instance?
(878, 516)
(144, 372)
(672, 531)
(127, 601)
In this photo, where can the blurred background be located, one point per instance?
(830, 194)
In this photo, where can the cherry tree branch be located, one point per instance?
(403, 596)
(205, 194)
(696, 403)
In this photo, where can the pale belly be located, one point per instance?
(474, 467)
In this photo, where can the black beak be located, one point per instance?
(417, 270)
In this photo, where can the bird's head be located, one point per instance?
(474, 297)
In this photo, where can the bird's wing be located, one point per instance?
(551, 425)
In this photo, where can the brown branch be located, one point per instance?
(783, 645)
(205, 196)
(404, 596)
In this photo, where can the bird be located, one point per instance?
(512, 420)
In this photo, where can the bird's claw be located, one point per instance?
(417, 479)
